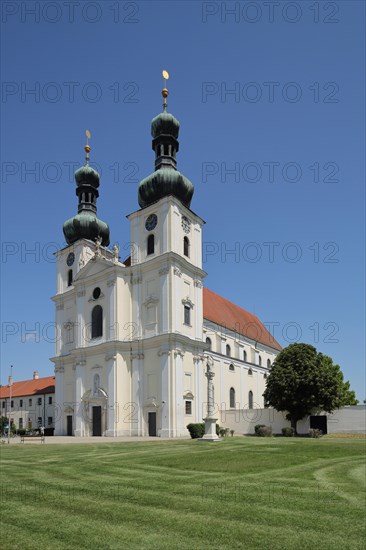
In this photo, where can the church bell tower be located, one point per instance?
(166, 255)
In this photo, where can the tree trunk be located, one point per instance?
(294, 424)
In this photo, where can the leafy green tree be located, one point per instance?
(346, 395)
(303, 381)
(349, 395)
(3, 422)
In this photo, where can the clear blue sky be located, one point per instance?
(292, 131)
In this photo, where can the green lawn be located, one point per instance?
(252, 493)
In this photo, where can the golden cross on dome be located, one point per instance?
(164, 91)
(87, 146)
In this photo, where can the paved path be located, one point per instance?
(62, 440)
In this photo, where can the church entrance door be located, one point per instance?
(97, 421)
(69, 424)
(152, 424)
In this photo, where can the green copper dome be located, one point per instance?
(87, 175)
(165, 123)
(166, 180)
(86, 225)
(162, 183)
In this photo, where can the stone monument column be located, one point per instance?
(210, 421)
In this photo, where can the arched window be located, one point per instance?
(97, 322)
(186, 246)
(250, 372)
(151, 244)
(209, 343)
(69, 277)
(250, 399)
(231, 367)
(245, 356)
(268, 363)
(228, 350)
(232, 398)
(260, 360)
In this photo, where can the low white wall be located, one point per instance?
(243, 421)
(350, 419)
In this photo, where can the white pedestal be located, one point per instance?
(210, 430)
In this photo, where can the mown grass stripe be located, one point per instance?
(244, 493)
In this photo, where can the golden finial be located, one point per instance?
(164, 91)
(87, 146)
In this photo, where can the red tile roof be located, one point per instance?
(221, 312)
(29, 387)
(226, 314)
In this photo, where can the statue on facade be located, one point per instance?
(115, 249)
(98, 244)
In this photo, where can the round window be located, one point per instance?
(96, 293)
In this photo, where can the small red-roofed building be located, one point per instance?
(31, 403)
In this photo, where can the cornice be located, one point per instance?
(136, 355)
(171, 259)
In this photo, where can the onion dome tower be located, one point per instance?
(166, 180)
(86, 225)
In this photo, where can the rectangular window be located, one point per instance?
(3, 404)
(50, 400)
(150, 244)
(49, 421)
(20, 402)
(12, 404)
(187, 315)
(39, 420)
(188, 407)
(39, 401)
(20, 423)
(30, 402)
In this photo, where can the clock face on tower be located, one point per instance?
(70, 259)
(151, 222)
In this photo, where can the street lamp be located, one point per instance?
(10, 386)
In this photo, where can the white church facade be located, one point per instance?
(133, 336)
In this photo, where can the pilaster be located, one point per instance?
(137, 394)
(112, 306)
(81, 335)
(180, 428)
(59, 400)
(112, 405)
(166, 394)
(164, 302)
(81, 414)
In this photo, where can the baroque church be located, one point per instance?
(134, 336)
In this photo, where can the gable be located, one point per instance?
(93, 268)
